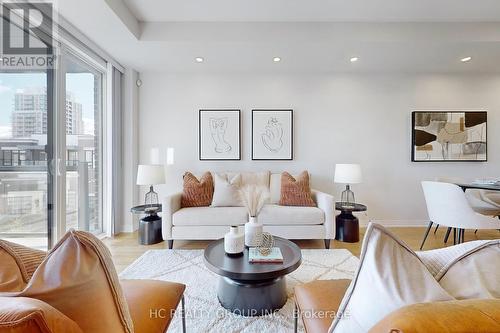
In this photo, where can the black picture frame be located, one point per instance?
(291, 156)
(200, 143)
(413, 137)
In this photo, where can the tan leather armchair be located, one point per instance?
(479, 315)
(75, 288)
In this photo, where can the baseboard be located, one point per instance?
(397, 223)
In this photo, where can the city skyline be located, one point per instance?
(80, 85)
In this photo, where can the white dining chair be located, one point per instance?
(447, 205)
(481, 201)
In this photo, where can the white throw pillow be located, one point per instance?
(468, 270)
(226, 190)
(390, 275)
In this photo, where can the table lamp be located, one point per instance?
(347, 174)
(150, 175)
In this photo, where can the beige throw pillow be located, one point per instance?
(390, 275)
(226, 189)
(468, 270)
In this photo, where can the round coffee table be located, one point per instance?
(252, 289)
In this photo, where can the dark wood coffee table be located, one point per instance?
(252, 289)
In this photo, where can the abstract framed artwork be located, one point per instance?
(219, 135)
(449, 136)
(272, 135)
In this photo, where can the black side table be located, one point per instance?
(150, 225)
(346, 224)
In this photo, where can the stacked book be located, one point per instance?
(274, 256)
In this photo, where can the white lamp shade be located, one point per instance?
(150, 174)
(348, 173)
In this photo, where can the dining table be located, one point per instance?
(479, 186)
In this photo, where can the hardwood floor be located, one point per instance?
(125, 248)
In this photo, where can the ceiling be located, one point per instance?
(315, 10)
(240, 36)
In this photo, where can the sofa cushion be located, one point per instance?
(252, 178)
(291, 215)
(275, 188)
(226, 190)
(390, 275)
(207, 216)
(197, 193)
(79, 279)
(22, 314)
(295, 191)
(18, 264)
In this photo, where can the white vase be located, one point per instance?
(253, 232)
(234, 241)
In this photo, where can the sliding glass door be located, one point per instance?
(51, 152)
(84, 89)
(25, 155)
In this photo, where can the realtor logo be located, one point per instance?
(27, 30)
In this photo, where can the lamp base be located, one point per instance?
(151, 198)
(347, 199)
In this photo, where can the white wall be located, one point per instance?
(339, 118)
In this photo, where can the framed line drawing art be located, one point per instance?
(272, 134)
(219, 133)
(449, 136)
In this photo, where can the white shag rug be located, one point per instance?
(203, 311)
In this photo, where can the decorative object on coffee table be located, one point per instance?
(346, 224)
(150, 225)
(234, 241)
(348, 174)
(272, 134)
(153, 174)
(219, 135)
(253, 198)
(252, 289)
(267, 244)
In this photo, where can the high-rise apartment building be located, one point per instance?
(30, 113)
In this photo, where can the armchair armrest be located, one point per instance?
(477, 315)
(326, 202)
(169, 205)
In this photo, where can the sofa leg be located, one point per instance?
(170, 244)
(327, 244)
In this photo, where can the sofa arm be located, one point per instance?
(477, 315)
(326, 202)
(169, 205)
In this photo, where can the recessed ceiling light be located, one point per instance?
(354, 59)
(276, 59)
(199, 59)
(466, 59)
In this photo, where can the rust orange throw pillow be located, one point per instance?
(296, 192)
(197, 193)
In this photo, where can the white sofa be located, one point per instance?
(204, 223)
